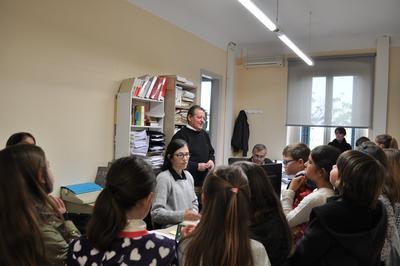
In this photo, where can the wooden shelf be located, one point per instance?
(146, 100)
(182, 107)
(153, 127)
(171, 108)
(125, 116)
(186, 86)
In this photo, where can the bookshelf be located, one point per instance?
(138, 116)
(177, 103)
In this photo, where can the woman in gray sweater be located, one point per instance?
(174, 199)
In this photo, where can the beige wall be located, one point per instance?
(263, 89)
(61, 63)
(266, 88)
(393, 127)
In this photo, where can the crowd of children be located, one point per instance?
(341, 208)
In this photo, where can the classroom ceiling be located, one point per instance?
(314, 25)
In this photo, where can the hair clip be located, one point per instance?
(234, 189)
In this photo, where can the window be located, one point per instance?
(206, 100)
(210, 101)
(335, 92)
(315, 136)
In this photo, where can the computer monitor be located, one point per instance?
(236, 159)
(274, 171)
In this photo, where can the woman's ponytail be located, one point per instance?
(107, 221)
(128, 180)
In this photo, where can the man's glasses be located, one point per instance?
(181, 155)
(285, 162)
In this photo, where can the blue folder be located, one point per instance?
(83, 188)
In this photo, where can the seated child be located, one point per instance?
(222, 235)
(350, 228)
(116, 233)
(57, 231)
(318, 167)
(294, 158)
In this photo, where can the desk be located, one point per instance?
(167, 232)
(170, 232)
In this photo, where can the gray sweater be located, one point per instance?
(172, 198)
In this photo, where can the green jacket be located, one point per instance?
(57, 234)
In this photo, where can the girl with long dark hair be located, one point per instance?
(21, 239)
(116, 233)
(222, 236)
(30, 160)
(267, 221)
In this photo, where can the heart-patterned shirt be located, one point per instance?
(131, 248)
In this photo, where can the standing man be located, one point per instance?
(340, 142)
(201, 152)
(259, 155)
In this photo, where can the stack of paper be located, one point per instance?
(156, 149)
(139, 142)
(181, 79)
(178, 96)
(180, 116)
(187, 98)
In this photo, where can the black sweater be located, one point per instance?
(200, 150)
(342, 146)
(271, 232)
(342, 234)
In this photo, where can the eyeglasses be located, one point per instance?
(285, 162)
(181, 155)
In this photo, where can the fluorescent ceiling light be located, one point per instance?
(249, 5)
(295, 49)
(258, 14)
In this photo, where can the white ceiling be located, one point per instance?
(332, 25)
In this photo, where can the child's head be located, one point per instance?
(294, 158)
(393, 159)
(386, 141)
(391, 186)
(392, 180)
(361, 140)
(177, 155)
(31, 162)
(370, 148)
(22, 243)
(222, 235)
(129, 185)
(262, 193)
(340, 133)
(320, 163)
(225, 191)
(361, 178)
(263, 198)
(20, 138)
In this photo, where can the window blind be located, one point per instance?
(334, 92)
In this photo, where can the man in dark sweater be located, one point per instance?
(259, 155)
(340, 142)
(201, 152)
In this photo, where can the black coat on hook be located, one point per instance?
(241, 133)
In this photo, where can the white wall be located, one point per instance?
(61, 63)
